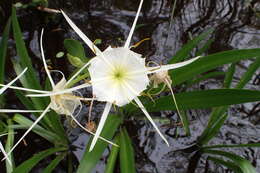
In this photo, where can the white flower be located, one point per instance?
(119, 75)
(62, 99)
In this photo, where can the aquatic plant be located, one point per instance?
(129, 90)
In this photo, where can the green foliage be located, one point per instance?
(27, 165)
(184, 52)
(127, 161)
(210, 62)
(3, 49)
(90, 159)
(113, 156)
(202, 99)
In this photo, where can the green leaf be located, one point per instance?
(227, 164)
(249, 73)
(229, 76)
(232, 146)
(3, 49)
(75, 61)
(205, 47)
(112, 156)
(75, 49)
(54, 163)
(187, 48)
(8, 145)
(90, 159)
(205, 77)
(127, 161)
(59, 54)
(211, 131)
(25, 60)
(27, 165)
(210, 62)
(185, 122)
(52, 137)
(203, 99)
(244, 164)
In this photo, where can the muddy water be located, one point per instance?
(236, 27)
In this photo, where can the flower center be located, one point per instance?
(119, 74)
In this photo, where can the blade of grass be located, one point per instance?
(90, 159)
(127, 161)
(244, 164)
(210, 62)
(8, 145)
(54, 163)
(212, 131)
(232, 146)
(249, 73)
(205, 77)
(227, 164)
(27, 165)
(184, 52)
(112, 157)
(229, 76)
(48, 135)
(204, 48)
(202, 99)
(23, 54)
(3, 50)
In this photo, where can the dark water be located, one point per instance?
(236, 25)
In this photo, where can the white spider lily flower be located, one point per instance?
(119, 75)
(62, 100)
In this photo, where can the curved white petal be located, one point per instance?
(52, 93)
(28, 130)
(170, 66)
(27, 89)
(139, 103)
(18, 111)
(5, 154)
(128, 40)
(100, 125)
(100, 137)
(44, 61)
(90, 44)
(10, 83)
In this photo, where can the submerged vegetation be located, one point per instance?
(132, 88)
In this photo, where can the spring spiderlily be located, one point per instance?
(119, 75)
(62, 99)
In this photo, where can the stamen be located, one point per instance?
(140, 42)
